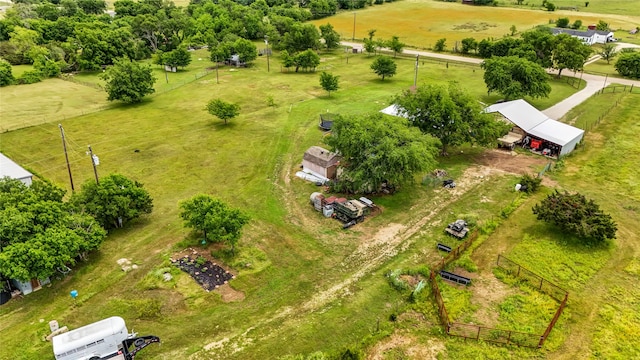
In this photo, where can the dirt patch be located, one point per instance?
(399, 346)
(411, 280)
(462, 272)
(229, 294)
(488, 292)
(511, 162)
(202, 269)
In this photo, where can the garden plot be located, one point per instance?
(206, 273)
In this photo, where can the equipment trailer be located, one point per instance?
(104, 339)
(350, 212)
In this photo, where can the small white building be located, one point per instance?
(545, 135)
(588, 37)
(8, 168)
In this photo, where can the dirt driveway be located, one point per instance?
(511, 162)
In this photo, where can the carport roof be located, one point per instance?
(556, 132)
(519, 112)
(9, 168)
(536, 123)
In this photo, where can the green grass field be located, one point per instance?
(420, 23)
(617, 7)
(303, 284)
(184, 151)
(57, 100)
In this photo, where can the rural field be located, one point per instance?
(420, 23)
(302, 283)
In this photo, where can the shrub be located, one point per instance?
(550, 6)
(530, 184)
(440, 45)
(576, 24)
(577, 215)
(562, 22)
(6, 76)
(394, 280)
(30, 77)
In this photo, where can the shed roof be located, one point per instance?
(393, 110)
(519, 112)
(535, 122)
(321, 156)
(9, 168)
(587, 33)
(556, 132)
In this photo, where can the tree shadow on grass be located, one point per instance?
(220, 125)
(542, 230)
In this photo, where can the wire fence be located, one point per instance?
(58, 117)
(489, 334)
(509, 337)
(536, 281)
(588, 126)
(631, 89)
(455, 253)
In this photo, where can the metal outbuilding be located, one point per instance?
(540, 130)
(8, 168)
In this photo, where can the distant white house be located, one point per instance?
(8, 168)
(588, 37)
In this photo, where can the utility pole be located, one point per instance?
(353, 37)
(415, 78)
(66, 156)
(217, 80)
(266, 42)
(94, 162)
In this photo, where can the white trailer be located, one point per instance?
(92, 342)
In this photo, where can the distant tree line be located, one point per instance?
(77, 35)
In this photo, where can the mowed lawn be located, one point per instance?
(601, 279)
(56, 100)
(420, 23)
(288, 253)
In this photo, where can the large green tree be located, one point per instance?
(384, 66)
(300, 38)
(128, 81)
(628, 64)
(569, 53)
(330, 36)
(223, 110)
(449, 114)
(378, 149)
(180, 57)
(576, 214)
(542, 41)
(515, 77)
(40, 233)
(115, 201)
(308, 60)
(215, 219)
(329, 82)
